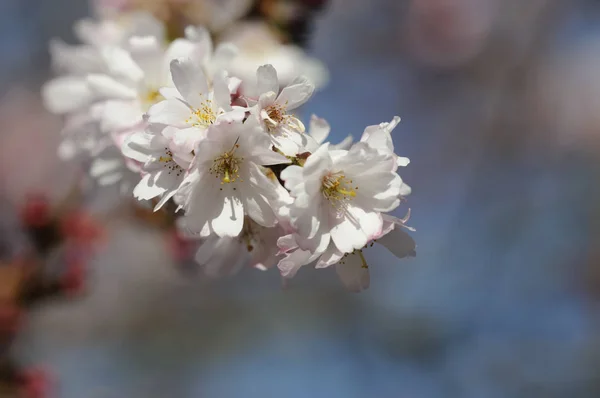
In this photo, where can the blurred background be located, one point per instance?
(500, 107)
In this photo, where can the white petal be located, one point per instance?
(222, 96)
(231, 218)
(399, 243)
(172, 112)
(266, 76)
(164, 199)
(296, 93)
(318, 162)
(106, 87)
(138, 147)
(345, 144)
(356, 229)
(318, 128)
(147, 188)
(353, 273)
(121, 115)
(66, 94)
(102, 166)
(190, 81)
(121, 64)
(330, 257)
(258, 209)
(148, 55)
(223, 56)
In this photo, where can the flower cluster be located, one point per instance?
(238, 165)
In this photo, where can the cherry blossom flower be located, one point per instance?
(195, 106)
(227, 182)
(255, 246)
(339, 195)
(352, 268)
(272, 109)
(164, 164)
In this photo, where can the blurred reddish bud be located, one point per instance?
(35, 383)
(181, 248)
(10, 318)
(36, 211)
(73, 280)
(81, 228)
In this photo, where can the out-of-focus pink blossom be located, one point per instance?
(181, 248)
(81, 229)
(73, 280)
(10, 318)
(35, 383)
(448, 33)
(36, 211)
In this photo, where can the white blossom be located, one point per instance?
(255, 246)
(352, 268)
(227, 182)
(195, 105)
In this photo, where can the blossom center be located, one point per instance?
(203, 116)
(275, 115)
(227, 166)
(337, 189)
(169, 163)
(151, 97)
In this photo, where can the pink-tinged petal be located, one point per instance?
(190, 81)
(171, 112)
(231, 218)
(266, 77)
(399, 243)
(66, 94)
(292, 262)
(354, 273)
(355, 229)
(330, 257)
(286, 243)
(296, 94)
(104, 86)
